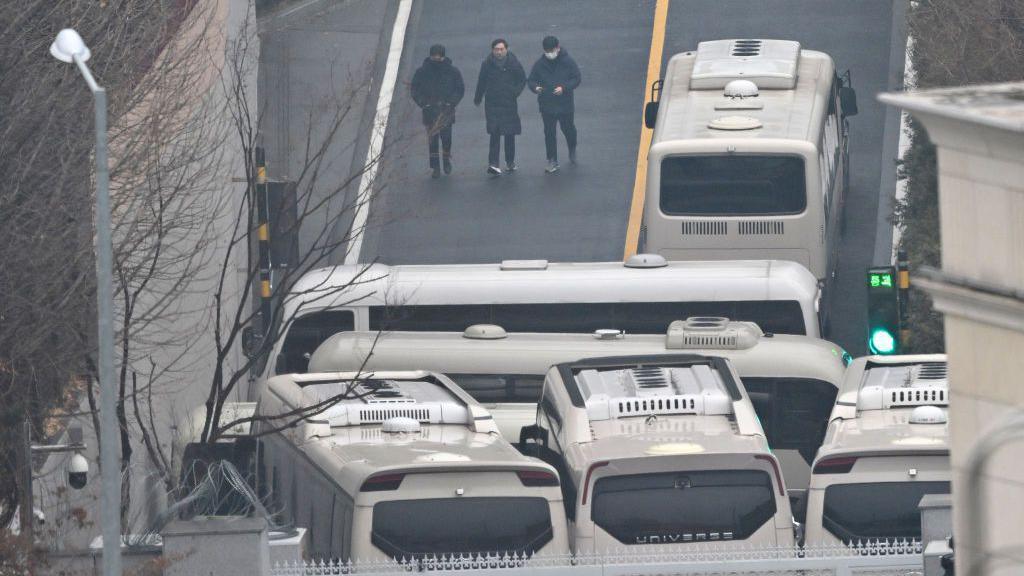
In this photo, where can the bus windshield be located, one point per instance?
(732, 185)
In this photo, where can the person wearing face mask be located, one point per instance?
(437, 89)
(554, 78)
(499, 85)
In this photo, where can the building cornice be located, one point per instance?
(971, 299)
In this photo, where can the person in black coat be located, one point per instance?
(437, 88)
(554, 78)
(499, 85)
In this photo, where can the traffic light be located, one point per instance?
(883, 311)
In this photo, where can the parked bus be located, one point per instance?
(659, 455)
(410, 467)
(749, 156)
(887, 446)
(792, 380)
(642, 295)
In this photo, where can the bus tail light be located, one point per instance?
(586, 479)
(537, 478)
(382, 483)
(775, 467)
(840, 465)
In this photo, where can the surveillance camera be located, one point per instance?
(78, 471)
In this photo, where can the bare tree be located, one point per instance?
(323, 207)
(47, 312)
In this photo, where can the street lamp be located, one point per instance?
(69, 47)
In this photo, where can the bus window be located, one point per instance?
(433, 318)
(440, 526)
(877, 510)
(501, 387)
(683, 506)
(793, 411)
(732, 185)
(775, 316)
(306, 333)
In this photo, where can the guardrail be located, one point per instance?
(904, 559)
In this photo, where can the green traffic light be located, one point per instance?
(882, 342)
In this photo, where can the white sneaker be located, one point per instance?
(494, 170)
(552, 167)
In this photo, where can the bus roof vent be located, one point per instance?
(769, 64)
(645, 261)
(904, 386)
(931, 371)
(734, 123)
(524, 265)
(377, 401)
(653, 390)
(711, 332)
(485, 332)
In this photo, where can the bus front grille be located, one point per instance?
(762, 228)
(705, 228)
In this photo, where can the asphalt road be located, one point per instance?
(578, 214)
(581, 213)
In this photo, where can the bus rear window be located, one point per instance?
(680, 507)
(468, 526)
(876, 510)
(793, 411)
(732, 185)
(501, 387)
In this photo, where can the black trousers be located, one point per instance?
(439, 139)
(510, 149)
(568, 129)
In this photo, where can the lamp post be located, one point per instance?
(69, 47)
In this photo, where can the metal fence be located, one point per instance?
(898, 560)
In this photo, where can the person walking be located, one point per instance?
(554, 78)
(437, 88)
(499, 85)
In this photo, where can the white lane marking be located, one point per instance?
(909, 82)
(380, 125)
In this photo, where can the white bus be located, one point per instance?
(792, 380)
(887, 446)
(642, 295)
(413, 468)
(659, 455)
(749, 156)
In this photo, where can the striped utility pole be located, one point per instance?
(263, 232)
(903, 282)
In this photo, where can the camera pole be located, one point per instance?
(25, 516)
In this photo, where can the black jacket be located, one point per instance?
(498, 86)
(437, 88)
(546, 74)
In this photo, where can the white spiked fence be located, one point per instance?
(866, 559)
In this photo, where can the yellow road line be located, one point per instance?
(636, 206)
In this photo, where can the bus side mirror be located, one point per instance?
(251, 341)
(651, 114)
(533, 434)
(848, 101)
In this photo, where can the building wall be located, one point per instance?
(981, 203)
